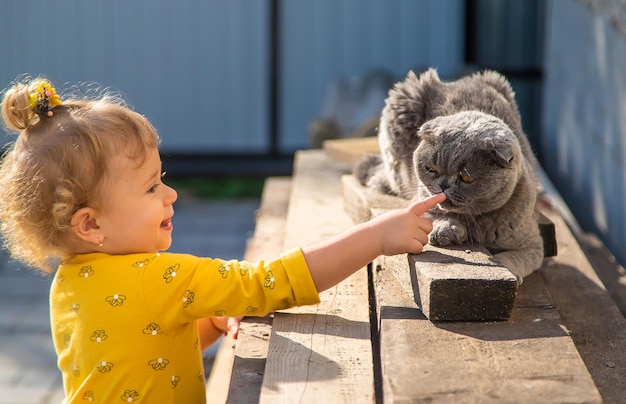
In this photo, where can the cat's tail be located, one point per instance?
(367, 167)
(408, 105)
(499, 83)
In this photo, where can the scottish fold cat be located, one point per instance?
(463, 138)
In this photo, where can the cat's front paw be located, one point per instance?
(448, 232)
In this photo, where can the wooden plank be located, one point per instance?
(597, 326)
(321, 353)
(609, 270)
(529, 358)
(237, 373)
(351, 150)
(360, 201)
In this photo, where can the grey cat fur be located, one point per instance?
(431, 132)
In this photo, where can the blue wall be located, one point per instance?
(200, 69)
(584, 119)
(197, 69)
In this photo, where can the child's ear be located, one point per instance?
(85, 225)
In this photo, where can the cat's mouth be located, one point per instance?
(452, 205)
(448, 205)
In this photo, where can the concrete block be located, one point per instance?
(456, 284)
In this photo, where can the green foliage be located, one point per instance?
(218, 187)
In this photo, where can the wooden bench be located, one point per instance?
(368, 341)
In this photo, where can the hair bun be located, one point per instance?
(24, 104)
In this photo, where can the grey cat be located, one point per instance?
(463, 138)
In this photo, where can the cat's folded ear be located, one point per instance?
(502, 150)
(426, 133)
(432, 128)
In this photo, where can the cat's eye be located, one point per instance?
(466, 177)
(431, 170)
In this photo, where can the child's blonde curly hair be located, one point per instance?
(56, 164)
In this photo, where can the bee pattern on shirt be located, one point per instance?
(140, 264)
(158, 364)
(86, 272)
(75, 307)
(130, 396)
(88, 396)
(170, 273)
(115, 300)
(104, 367)
(243, 269)
(152, 329)
(98, 336)
(220, 313)
(188, 298)
(175, 380)
(224, 270)
(252, 309)
(269, 280)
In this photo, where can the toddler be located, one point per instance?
(84, 198)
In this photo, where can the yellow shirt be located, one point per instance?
(124, 327)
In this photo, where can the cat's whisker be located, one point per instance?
(471, 224)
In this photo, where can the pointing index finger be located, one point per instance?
(420, 207)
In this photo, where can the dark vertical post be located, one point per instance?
(470, 32)
(274, 79)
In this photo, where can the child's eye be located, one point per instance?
(153, 188)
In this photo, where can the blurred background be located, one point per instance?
(235, 87)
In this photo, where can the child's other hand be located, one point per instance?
(233, 326)
(405, 230)
(227, 325)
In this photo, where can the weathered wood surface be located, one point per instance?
(351, 150)
(528, 359)
(596, 324)
(238, 370)
(321, 353)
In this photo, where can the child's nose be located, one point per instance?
(171, 195)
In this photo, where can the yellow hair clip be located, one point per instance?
(44, 98)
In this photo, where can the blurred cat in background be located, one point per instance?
(463, 138)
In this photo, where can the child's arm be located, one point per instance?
(397, 232)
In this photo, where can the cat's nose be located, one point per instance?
(443, 183)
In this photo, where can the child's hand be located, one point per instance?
(227, 325)
(210, 329)
(405, 230)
